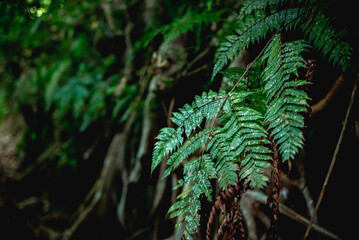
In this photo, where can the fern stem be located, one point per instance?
(242, 76)
(223, 199)
(223, 227)
(274, 198)
(334, 158)
(229, 200)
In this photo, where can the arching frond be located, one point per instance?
(326, 39)
(252, 28)
(248, 141)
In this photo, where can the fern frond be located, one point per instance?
(193, 144)
(254, 24)
(242, 139)
(251, 6)
(249, 143)
(252, 28)
(198, 184)
(169, 139)
(191, 20)
(188, 22)
(327, 39)
(188, 119)
(260, 116)
(286, 103)
(191, 116)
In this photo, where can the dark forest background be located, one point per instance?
(85, 87)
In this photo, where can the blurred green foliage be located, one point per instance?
(64, 63)
(73, 69)
(56, 65)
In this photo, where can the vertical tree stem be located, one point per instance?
(332, 162)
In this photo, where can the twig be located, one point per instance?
(299, 218)
(334, 158)
(319, 106)
(301, 183)
(262, 198)
(106, 7)
(39, 161)
(104, 181)
(98, 190)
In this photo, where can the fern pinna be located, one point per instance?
(232, 136)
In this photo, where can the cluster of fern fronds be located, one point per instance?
(232, 136)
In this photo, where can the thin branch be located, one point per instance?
(334, 158)
(319, 106)
(97, 192)
(39, 161)
(262, 198)
(103, 182)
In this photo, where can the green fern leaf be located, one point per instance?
(169, 140)
(247, 139)
(226, 168)
(193, 144)
(326, 39)
(286, 103)
(262, 112)
(189, 204)
(189, 21)
(254, 5)
(188, 119)
(191, 116)
(227, 174)
(252, 28)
